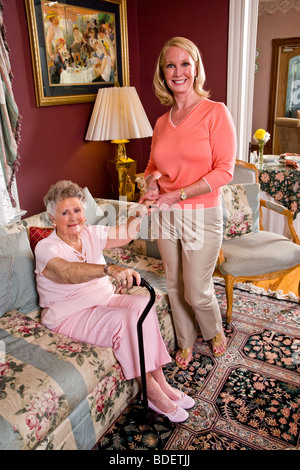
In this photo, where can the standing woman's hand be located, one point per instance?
(150, 197)
(167, 200)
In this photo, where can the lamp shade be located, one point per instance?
(118, 114)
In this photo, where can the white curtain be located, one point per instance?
(9, 134)
(243, 16)
(7, 212)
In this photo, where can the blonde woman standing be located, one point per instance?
(192, 155)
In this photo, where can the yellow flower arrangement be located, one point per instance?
(261, 137)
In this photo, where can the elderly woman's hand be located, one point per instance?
(123, 275)
(149, 197)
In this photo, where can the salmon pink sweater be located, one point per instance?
(203, 145)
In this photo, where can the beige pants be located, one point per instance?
(189, 242)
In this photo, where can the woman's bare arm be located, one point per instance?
(122, 234)
(64, 272)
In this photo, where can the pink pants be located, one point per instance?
(115, 326)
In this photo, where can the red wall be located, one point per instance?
(53, 142)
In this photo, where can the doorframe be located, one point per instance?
(242, 34)
(276, 45)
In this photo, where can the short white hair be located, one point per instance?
(63, 190)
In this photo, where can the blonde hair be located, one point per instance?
(161, 89)
(63, 190)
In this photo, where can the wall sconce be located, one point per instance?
(118, 116)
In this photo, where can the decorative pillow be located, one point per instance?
(23, 294)
(16, 244)
(6, 275)
(36, 234)
(240, 209)
(93, 212)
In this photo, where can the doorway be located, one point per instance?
(285, 84)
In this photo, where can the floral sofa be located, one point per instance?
(56, 393)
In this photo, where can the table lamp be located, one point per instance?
(118, 116)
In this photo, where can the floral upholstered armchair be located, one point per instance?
(249, 253)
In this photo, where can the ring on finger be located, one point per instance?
(124, 281)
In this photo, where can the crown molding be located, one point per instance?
(272, 6)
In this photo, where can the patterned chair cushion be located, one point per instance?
(240, 209)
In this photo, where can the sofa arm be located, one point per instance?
(115, 212)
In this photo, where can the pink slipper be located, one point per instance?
(185, 401)
(177, 416)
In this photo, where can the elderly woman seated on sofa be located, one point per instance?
(79, 301)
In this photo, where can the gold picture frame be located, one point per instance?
(68, 65)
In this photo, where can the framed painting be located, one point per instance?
(77, 46)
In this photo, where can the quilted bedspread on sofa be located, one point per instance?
(54, 391)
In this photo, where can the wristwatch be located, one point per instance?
(183, 196)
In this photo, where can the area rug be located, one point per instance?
(248, 399)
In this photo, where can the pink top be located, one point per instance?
(202, 145)
(60, 301)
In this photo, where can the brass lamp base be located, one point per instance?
(122, 171)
